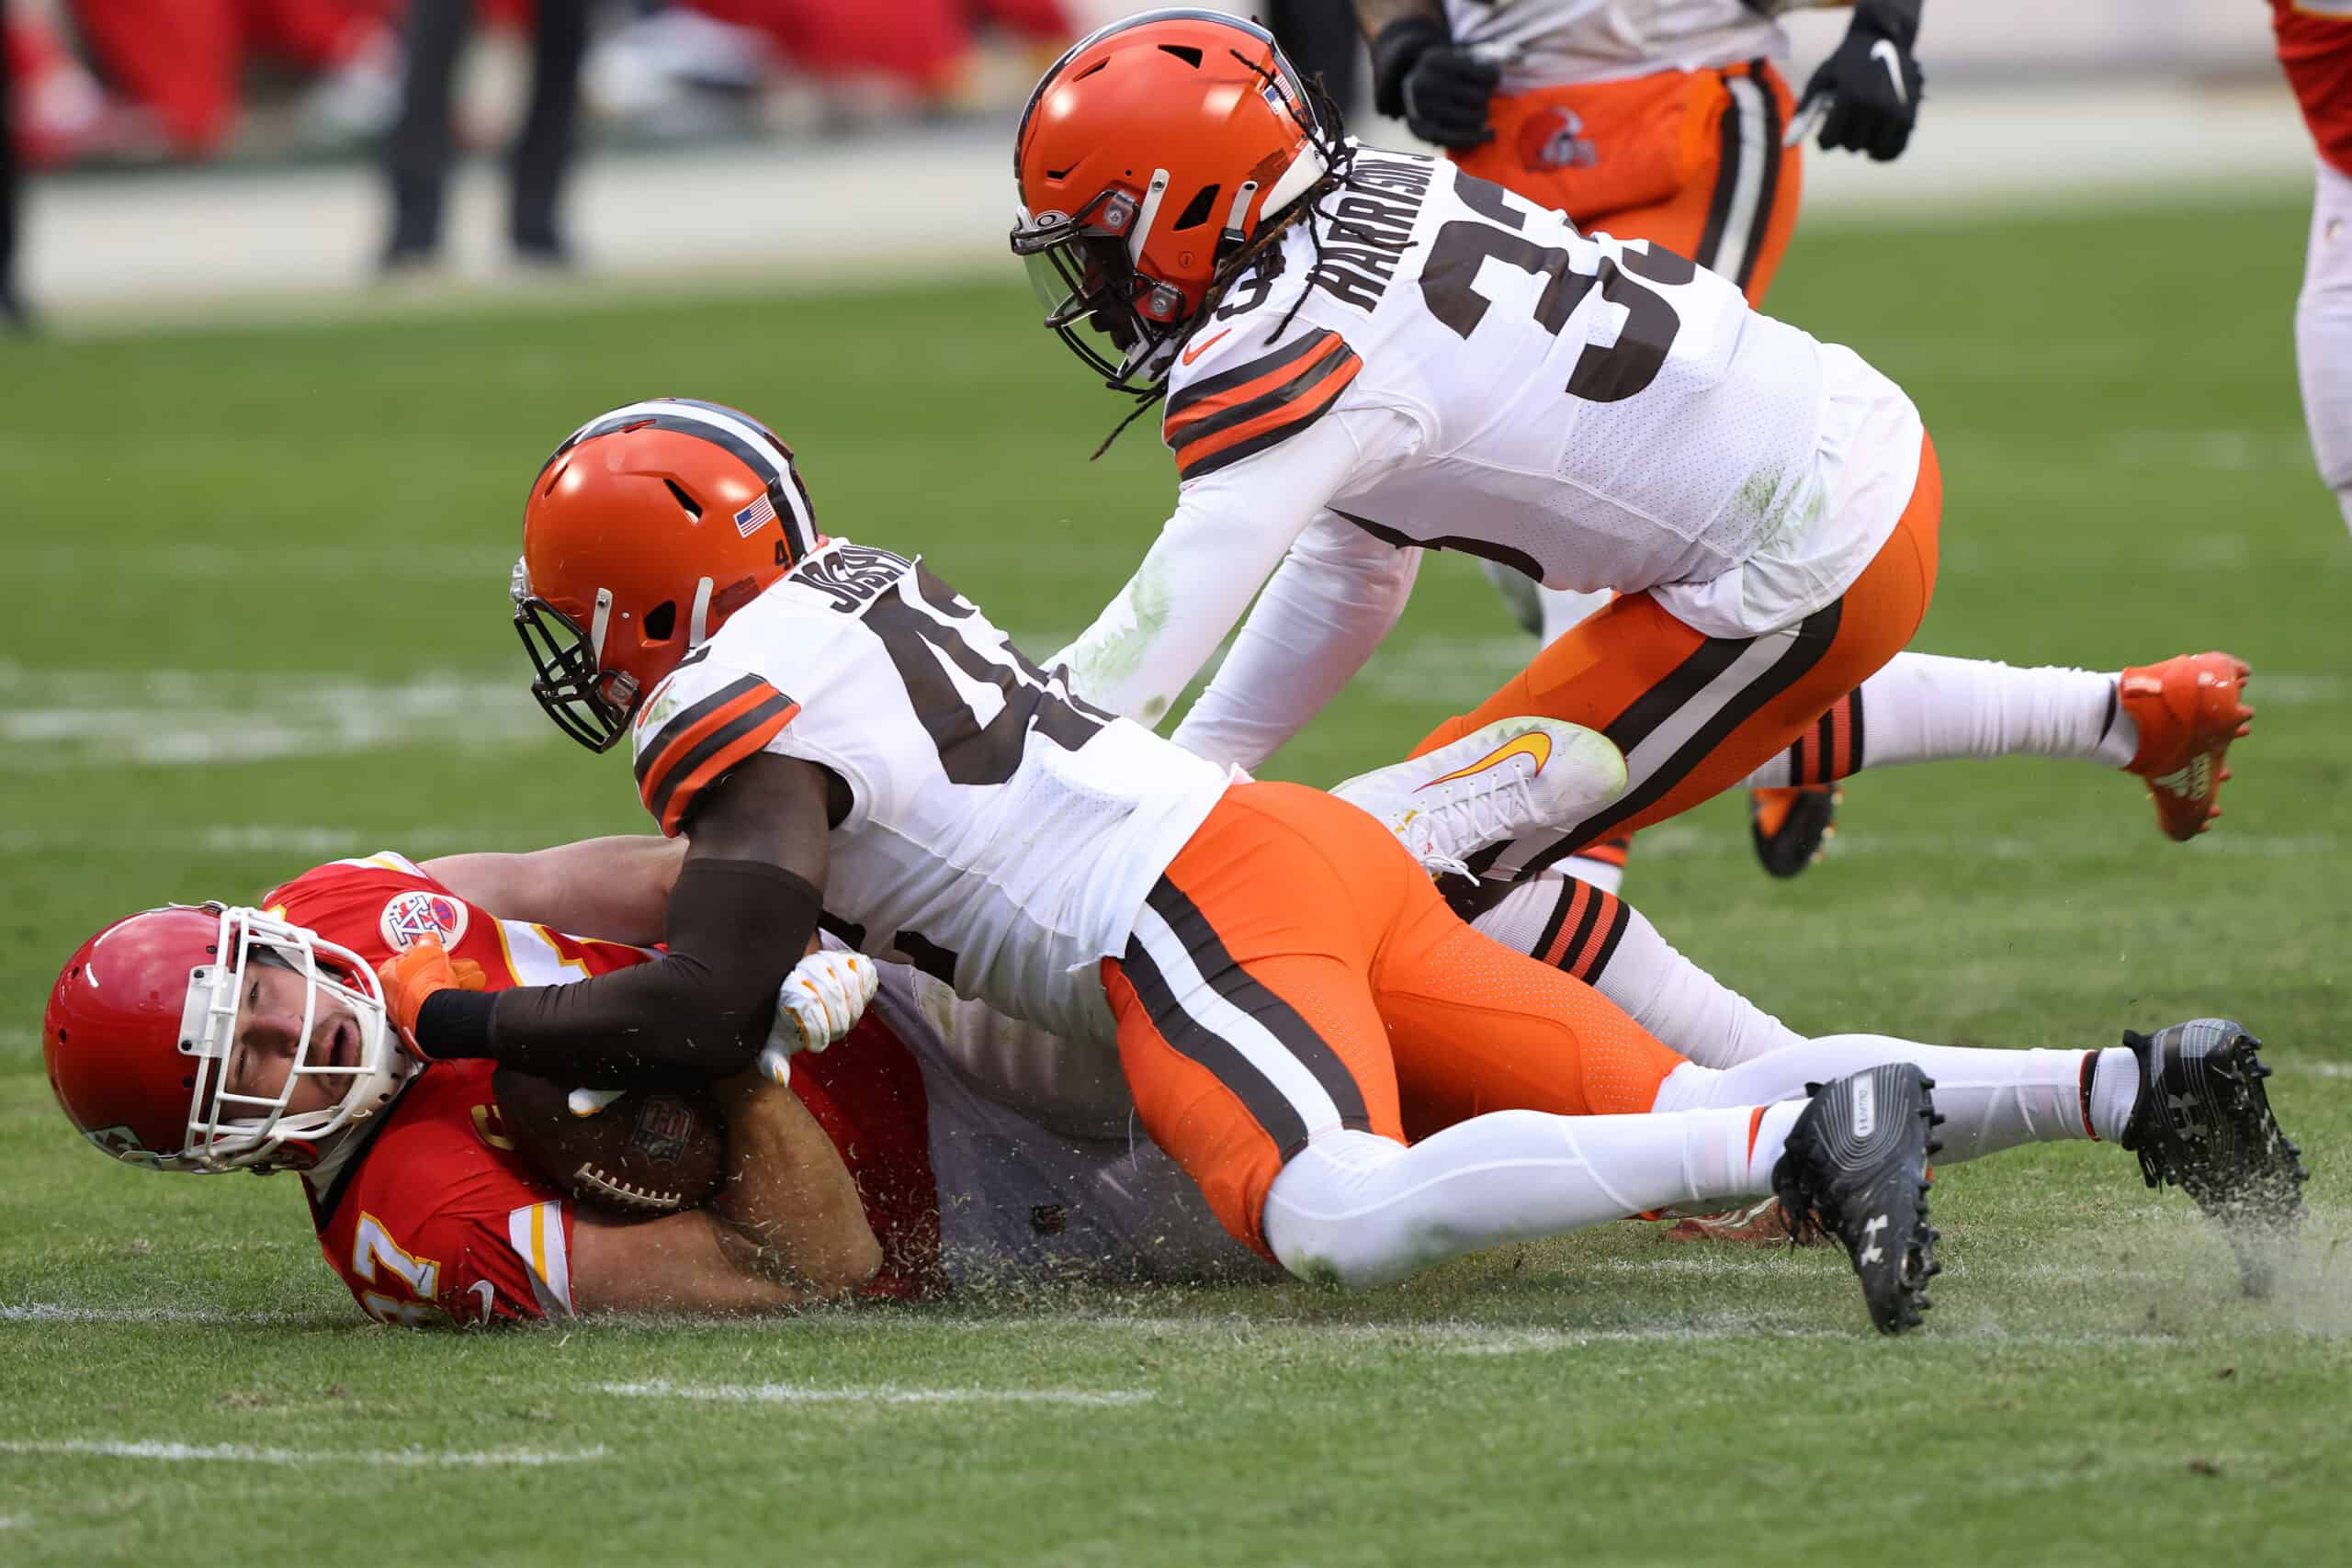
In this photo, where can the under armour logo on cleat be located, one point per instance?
(1873, 1253)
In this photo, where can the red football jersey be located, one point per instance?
(438, 1220)
(2316, 46)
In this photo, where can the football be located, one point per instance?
(649, 1151)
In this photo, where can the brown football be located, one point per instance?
(650, 1152)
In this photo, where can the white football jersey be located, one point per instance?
(1444, 363)
(1020, 1198)
(1552, 43)
(1001, 835)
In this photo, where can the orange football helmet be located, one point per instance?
(1149, 158)
(647, 529)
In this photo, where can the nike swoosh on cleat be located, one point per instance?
(2190, 781)
(1203, 346)
(1534, 743)
(1883, 51)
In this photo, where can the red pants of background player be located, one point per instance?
(184, 59)
(921, 42)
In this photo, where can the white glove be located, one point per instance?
(819, 1002)
(591, 1101)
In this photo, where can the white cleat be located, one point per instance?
(1513, 776)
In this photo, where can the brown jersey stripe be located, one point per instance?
(692, 722)
(1179, 424)
(1268, 368)
(1240, 408)
(743, 733)
(1271, 419)
(1244, 403)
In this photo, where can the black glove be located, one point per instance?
(1871, 84)
(1440, 92)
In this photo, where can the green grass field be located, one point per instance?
(256, 620)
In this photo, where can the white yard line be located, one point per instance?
(239, 1454)
(43, 1312)
(63, 720)
(882, 1393)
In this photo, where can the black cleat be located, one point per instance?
(1789, 826)
(2202, 1122)
(1856, 1166)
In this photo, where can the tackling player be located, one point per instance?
(1666, 120)
(1283, 990)
(1365, 354)
(2315, 47)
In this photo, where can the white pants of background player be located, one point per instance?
(2323, 332)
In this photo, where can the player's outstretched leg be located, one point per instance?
(2170, 724)
(1489, 786)
(1857, 1165)
(2203, 1123)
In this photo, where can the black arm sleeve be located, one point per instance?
(736, 929)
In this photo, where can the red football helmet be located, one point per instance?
(1150, 157)
(142, 1031)
(647, 529)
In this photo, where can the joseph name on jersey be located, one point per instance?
(1552, 43)
(1002, 834)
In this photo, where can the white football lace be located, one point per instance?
(1501, 812)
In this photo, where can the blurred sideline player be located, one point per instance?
(1365, 354)
(1669, 121)
(2315, 47)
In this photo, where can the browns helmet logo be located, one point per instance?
(412, 917)
(1556, 140)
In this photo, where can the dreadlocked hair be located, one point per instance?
(1321, 122)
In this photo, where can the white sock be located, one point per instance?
(1667, 994)
(2115, 1089)
(1990, 1099)
(1606, 874)
(1922, 707)
(1366, 1210)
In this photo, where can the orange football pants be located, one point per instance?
(1693, 714)
(1691, 160)
(1295, 971)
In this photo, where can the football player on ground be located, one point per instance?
(1667, 121)
(1365, 354)
(2316, 46)
(167, 1056)
(431, 1216)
